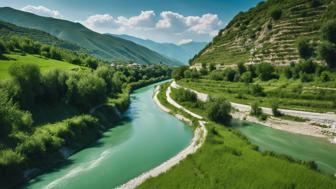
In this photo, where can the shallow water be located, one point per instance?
(146, 138)
(298, 146)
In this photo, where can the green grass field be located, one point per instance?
(228, 160)
(282, 91)
(43, 63)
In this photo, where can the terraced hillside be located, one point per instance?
(268, 32)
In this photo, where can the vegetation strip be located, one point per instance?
(196, 142)
(278, 123)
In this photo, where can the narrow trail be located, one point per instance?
(200, 134)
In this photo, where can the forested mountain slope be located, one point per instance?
(103, 46)
(269, 32)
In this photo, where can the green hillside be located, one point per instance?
(9, 30)
(43, 63)
(269, 32)
(103, 46)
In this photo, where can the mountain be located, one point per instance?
(103, 46)
(182, 53)
(268, 32)
(9, 30)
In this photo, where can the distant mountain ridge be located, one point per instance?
(182, 53)
(103, 46)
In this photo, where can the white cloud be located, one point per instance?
(184, 41)
(42, 11)
(170, 25)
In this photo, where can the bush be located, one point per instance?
(315, 3)
(185, 95)
(246, 77)
(305, 77)
(328, 31)
(256, 110)
(305, 48)
(28, 79)
(265, 71)
(257, 90)
(219, 111)
(229, 74)
(216, 75)
(275, 110)
(325, 76)
(178, 73)
(276, 14)
(241, 68)
(327, 52)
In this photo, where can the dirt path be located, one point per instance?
(197, 141)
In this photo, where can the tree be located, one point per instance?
(327, 52)
(275, 110)
(246, 77)
(256, 110)
(3, 49)
(28, 79)
(185, 95)
(276, 14)
(229, 74)
(257, 90)
(217, 75)
(265, 71)
(305, 48)
(219, 111)
(328, 31)
(178, 73)
(54, 86)
(241, 68)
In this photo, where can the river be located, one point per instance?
(146, 138)
(295, 145)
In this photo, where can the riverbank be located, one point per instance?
(310, 128)
(196, 142)
(228, 159)
(107, 115)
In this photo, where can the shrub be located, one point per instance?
(178, 73)
(265, 71)
(184, 95)
(305, 48)
(246, 77)
(327, 52)
(305, 77)
(276, 13)
(325, 76)
(315, 3)
(257, 90)
(241, 68)
(328, 31)
(219, 111)
(229, 74)
(256, 110)
(216, 75)
(275, 110)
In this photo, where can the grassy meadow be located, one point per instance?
(44, 64)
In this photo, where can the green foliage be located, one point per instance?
(217, 75)
(328, 31)
(275, 111)
(276, 13)
(306, 50)
(218, 110)
(256, 110)
(241, 68)
(246, 77)
(265, 71)
(178, 73)
(184, 95)
(327, 52)
(28, 79)
(257, 90)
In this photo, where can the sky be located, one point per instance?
(174, 21)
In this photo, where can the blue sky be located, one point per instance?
(174, 21)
